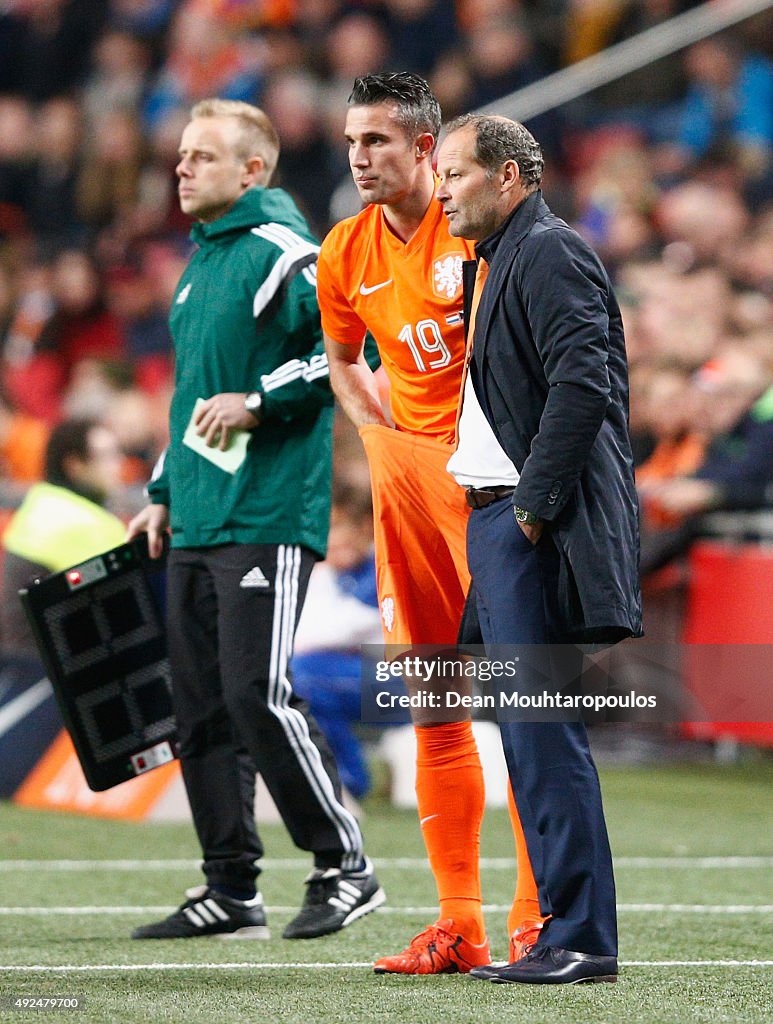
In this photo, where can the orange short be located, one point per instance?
(420, 525)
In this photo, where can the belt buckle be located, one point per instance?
(479, 497)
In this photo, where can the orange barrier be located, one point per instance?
(730, 603)
(57, 783)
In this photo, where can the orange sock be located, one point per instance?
(449, 788)
(526, 899)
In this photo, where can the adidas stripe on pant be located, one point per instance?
(229, 645)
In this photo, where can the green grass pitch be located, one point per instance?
(694, 861)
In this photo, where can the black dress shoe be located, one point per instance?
(489, 972)
(551, 965)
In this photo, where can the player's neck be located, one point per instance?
(405, 216)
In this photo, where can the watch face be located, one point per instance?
(253, 402)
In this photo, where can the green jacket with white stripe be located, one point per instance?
(245, 318)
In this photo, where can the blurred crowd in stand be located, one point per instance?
(667, 172)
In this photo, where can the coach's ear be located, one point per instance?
(511, 174)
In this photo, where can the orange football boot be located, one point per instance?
(436, 950)
(524, 938)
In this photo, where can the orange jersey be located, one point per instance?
(410, 298)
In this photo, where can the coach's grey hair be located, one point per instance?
(498, 139)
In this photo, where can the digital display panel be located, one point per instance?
(110, 616)
(124, 714)
(104, 645)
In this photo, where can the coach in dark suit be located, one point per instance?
(553, 536)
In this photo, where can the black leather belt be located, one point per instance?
(480, 497)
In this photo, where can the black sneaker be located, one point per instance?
(334, 899)
(207, 912)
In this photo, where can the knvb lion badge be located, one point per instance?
(447, 276)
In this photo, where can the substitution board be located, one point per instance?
(99, 627)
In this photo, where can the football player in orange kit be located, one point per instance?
(395, 270)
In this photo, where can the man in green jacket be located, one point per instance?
(244, 487)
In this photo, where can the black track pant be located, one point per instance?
(232, 613)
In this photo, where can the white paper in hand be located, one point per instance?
(231, 459)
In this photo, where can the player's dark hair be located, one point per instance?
(418, 110)
(498, 139)
(68, 438)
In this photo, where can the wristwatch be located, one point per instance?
(253, 403)
(522, 516)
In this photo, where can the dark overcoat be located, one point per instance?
(549, 369)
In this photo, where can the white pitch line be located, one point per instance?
(84, 968)
(90, 968)
(696, 963)
(489, 908)
(693, 862)
(110, 865)
(695, 908)
(417, 863)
